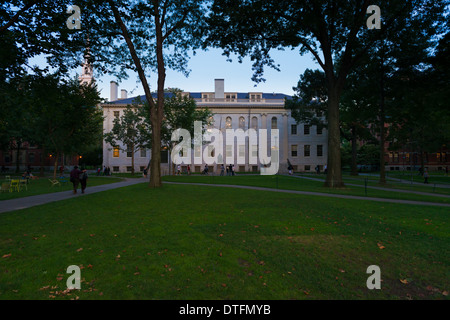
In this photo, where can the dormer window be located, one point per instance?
(255, 97)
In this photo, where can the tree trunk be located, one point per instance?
(55, 165)
(157, 113)
(382, 120)
(155, 167)
(334, 170)
(18, 143)
(354, 153)
(132, 160)
(155, 162)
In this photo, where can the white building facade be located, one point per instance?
(305, 147)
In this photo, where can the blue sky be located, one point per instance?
(208, 65)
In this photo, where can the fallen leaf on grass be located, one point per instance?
(78, 250)
(7, 255)
(405, 281)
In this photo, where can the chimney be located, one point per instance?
(114, 87)
(219, 92)
(123, 94)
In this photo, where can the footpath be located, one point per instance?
(321, 194)
(31, 201)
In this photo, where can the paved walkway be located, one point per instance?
(381, 188)
(31, 201)
(27, 202)
(321, 194)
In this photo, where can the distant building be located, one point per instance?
(304, 146)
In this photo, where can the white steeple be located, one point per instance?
(87, 73)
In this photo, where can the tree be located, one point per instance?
(129, 132)
(335, 33)
(66, 115)
(144, 37)
(180, 113)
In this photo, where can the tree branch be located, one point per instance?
(17, 15)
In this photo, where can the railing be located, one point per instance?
(225, 100)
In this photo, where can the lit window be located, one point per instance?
(116, 152)
(242, 123)
(228, 124)
(294, 150)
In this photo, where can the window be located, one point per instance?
(31, 157)
(116, 152)
(228, 150)
(116, 114)
(307, 150)
(293, 129)
(230, 97)
(7, 158)
(254, 151)
(197, 152)
(294, 150)
(141, 168)
(307, 168)
(242, 123)
(228, 124)
(115, 169)
(255, 97)
(129, 152)
(306, 129)
(255, 123)
(241, 151)
(129, 169)
(319, 130)
(396, 157)
(274, 123)
(143, 153)
(319, 150)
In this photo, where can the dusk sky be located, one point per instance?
(206, 66)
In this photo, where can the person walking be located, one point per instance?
(232, 170)
(188, 169)
(83, 179)
(75, 178)
(425, 176)
(222, 169)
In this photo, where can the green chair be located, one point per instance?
(15, 185)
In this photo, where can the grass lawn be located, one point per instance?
(42, 185)
(296, 183)
(198, 242)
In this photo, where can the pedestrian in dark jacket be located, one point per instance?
(75, 178)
